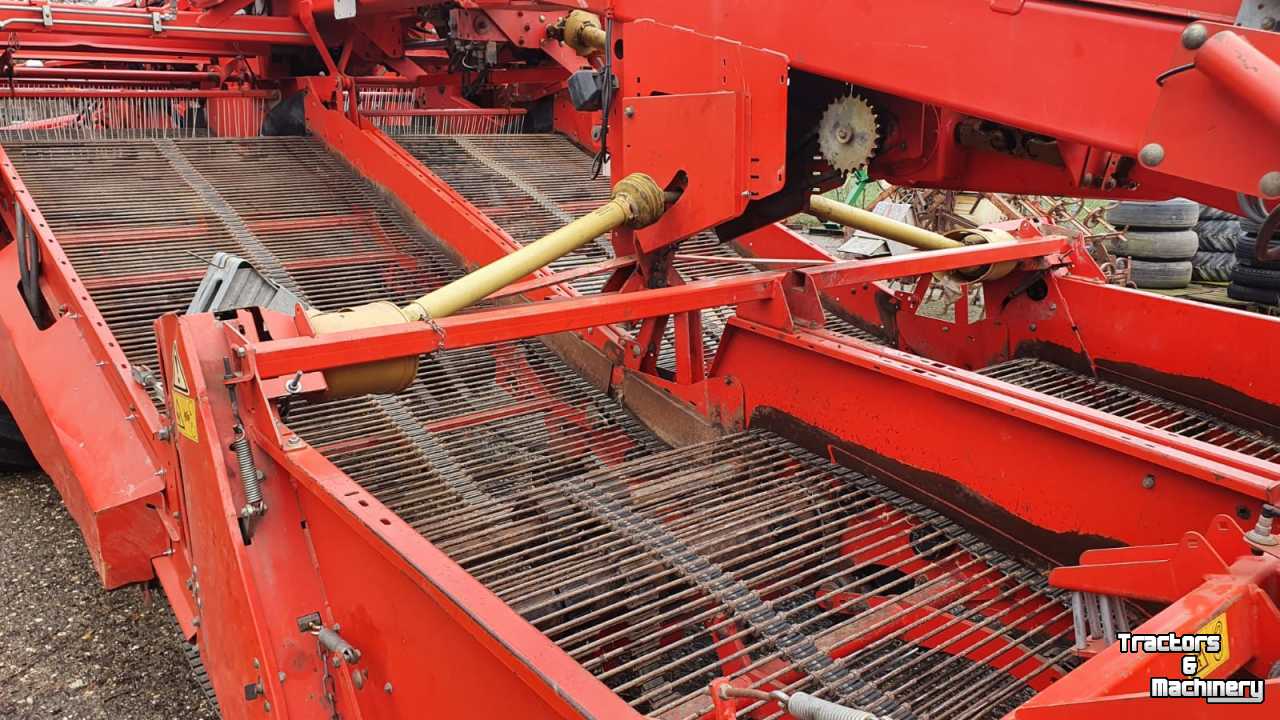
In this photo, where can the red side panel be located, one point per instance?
(81, 434)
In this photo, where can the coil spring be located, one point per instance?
(808, 707)
(248, 471)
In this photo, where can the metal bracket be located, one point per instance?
(1263, 14)
(46, 15)
(156, 22)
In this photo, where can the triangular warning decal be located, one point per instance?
(179, 375)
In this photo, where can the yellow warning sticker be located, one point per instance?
(184, 406)
(1207, 662)
(184, 416)
(178, 374)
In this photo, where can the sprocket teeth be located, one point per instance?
(849, 133)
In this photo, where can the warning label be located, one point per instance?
(184, 406)
(1208, 660)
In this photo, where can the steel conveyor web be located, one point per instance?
(660, 571)
(539, 485)
(139, 217)
(1125, 402)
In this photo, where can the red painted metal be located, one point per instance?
(1205, 576)
(1243, 69)
(108, 465)
(703, 106)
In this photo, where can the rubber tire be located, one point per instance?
(1160, 275)
(1176, 214)
(1219, 235)
(1261, 296)
(1212, 266)
(1245, 250)
(1251, 227)
(1155, 244)
(1256, 277)
(1208, 212)
(14, 453)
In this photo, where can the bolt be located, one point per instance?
(256, 664)
(281, 677)
(1270, 184)
(1264, 532)
(266, 706)
(387, 688)
(294, 440)
(294, 386)
(1149, 482)
(635, 349)
(241, 352)
(1152, 155)
(630, 111)
(337, 661)
(1033, 327)
(1194, 37)
(1269, 24)
(844, 134)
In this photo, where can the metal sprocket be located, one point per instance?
(848, 133)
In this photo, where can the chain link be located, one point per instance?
(435, 327)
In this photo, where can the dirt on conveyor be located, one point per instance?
(68, 648)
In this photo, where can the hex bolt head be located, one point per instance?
(387, 688)
(1151, 155)
(281, 677)
(1270, 184)
(1195, 36)
(1149, 482)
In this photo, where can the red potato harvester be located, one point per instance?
(448, 359)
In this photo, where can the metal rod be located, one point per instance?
(859, 219)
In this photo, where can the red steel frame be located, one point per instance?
(151, 511)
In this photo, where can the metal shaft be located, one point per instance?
(500, 273)
(637, 201)
(860, 219)
(582, 31)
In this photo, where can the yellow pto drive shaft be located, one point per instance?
(637, 201)
(919, 238)
(581, 31)
(859, 219)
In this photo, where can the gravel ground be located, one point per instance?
(68, 648)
